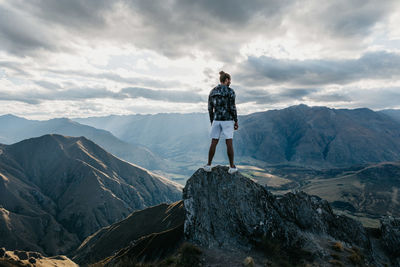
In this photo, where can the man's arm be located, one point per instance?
(232, 107)
(210, 109)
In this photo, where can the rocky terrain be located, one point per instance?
(233, 212)
(21, 258)
(56, 190)
(229, 220)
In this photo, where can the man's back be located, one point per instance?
(221, 104)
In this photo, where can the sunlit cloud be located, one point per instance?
(73, 58)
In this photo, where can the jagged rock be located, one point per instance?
(32, 258)
(35, 255)
(22, 255)
(390, 229)
(231, 211)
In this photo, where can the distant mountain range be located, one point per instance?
(14, 129)
(56, 190)
(394, 113)
(181, 138)
(317, 137)
(176, 144)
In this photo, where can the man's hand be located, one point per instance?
(236, 126)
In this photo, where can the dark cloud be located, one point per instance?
(266, 70)
(219, 29)
(164, 95)
(143, 81)
(70, 13)
(16, 67)
(176, 28)
(22, 35)
(353, 18)
(81, 93)
(4, 96)
(263, 96)
(28, 28)
(48, 85)
(331, 97)
(38, 96)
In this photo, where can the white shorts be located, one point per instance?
(222, 129)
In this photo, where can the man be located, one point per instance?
(223, 118)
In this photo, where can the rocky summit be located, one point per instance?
(233, 212)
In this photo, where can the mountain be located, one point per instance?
(372, 190)
(319, 136)
(182, 138)
(15, 129)
(394, 113)
(56, 190)
(316, 137)
(164, 132)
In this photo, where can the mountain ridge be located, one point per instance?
(17, 129)
(73, 185)
(317, 137)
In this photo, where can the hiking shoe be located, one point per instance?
(207, 168)
(232, 170)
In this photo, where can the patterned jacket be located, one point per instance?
(221, 104)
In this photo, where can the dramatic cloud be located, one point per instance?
(260, 96)
(36, 96)
(167, 95)
(177, 28)
(372, 65)
(156, 56)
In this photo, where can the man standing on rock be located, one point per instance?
(223, 118)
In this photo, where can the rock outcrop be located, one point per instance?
(390, 230)
(233, 212)
(31, 258)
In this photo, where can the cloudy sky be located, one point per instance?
(80, 58)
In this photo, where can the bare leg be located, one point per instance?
(229, 150)
(211, 152)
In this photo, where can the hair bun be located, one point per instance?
(221, 72)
